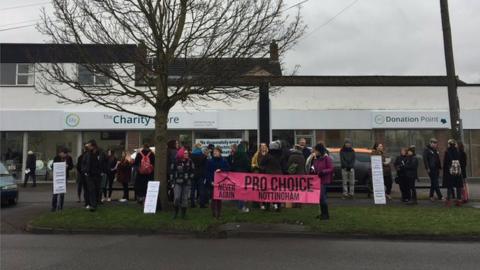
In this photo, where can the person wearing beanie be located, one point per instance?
(31, 165)
(183, 174)
(322, 165)
(347, 160)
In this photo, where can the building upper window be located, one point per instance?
(88, 77)
(17, 74)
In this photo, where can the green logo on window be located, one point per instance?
(72, 120)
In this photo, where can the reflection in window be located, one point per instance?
(17, 74)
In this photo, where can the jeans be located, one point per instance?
(348, 179)
(195, 190)
(110, 178)
(412, 190)
(93, 188)
(125, 191)
(181, 193)
(388, 183)
(57, 204)
(206, 191)
(434, 186)
(33, 176)
(323, 194)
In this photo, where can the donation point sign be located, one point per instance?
(267, 187)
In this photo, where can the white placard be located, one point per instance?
(150, 206)
(222, 143)
(378, 181)
(59, 177)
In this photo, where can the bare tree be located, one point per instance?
(188, 51)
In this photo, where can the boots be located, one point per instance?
(176, 212)
(184, 212)
(324, 212)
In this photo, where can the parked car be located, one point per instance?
(9, 189)
(362, 169)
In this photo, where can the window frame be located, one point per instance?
(32, 73)
(94, 75)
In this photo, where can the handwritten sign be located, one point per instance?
(150, 206)
(59, 177)
(378, 181)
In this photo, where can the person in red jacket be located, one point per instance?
(322, 165)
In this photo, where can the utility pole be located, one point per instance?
(454, 105)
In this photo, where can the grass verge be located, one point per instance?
(370, 220)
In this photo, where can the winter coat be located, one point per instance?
(200, 163)
(272, 162)
(400, 166)
(296, 157)
(92, 163)
(323, 167)
(31, 162)
(239, 162)
(347, 158)
(387, 170)
(138, 160)
(183, 172)
(450, 181)
(111, 164)
(431, 160)
(124, 171)
(79, 163)
(213, 165)
(306, 152)
(68, 161)
(411, 167)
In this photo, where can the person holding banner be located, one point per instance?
(58, 199)
(322, 165)
(272, 163)
(379, 150)
(238, 162)
(216, 164)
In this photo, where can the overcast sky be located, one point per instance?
(371, 37)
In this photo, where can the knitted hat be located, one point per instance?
(275, 145)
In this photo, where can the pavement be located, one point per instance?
(119, 252)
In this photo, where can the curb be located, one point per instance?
(225, 234)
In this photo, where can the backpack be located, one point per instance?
(293, 168)
(455, 168)
(146, 166)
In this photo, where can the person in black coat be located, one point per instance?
(30, 169)
(198, 189)
(111, 171)
(411, 175)
(431, 160)
(92, 169)
(81, 182)
(58, 199)
(347, 162)
(401, 178)
(452, 173)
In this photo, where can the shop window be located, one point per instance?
(89, 76)
(308, 135)
(287, 136)
(11, 151)
(335, 138)
(475, 152)
(361, 138)
(107, 140)
(17, 74)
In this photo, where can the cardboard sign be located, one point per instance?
(267, 187)
(150, 206)
(378, 181)
(59, 177)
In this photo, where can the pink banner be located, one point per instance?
(267, 187)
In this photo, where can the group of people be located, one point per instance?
(191, 171)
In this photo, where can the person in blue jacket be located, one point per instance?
(216, 164)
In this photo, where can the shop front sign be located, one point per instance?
(410, 119)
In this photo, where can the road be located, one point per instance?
(163, 252)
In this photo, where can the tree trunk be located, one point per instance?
(161, 155)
